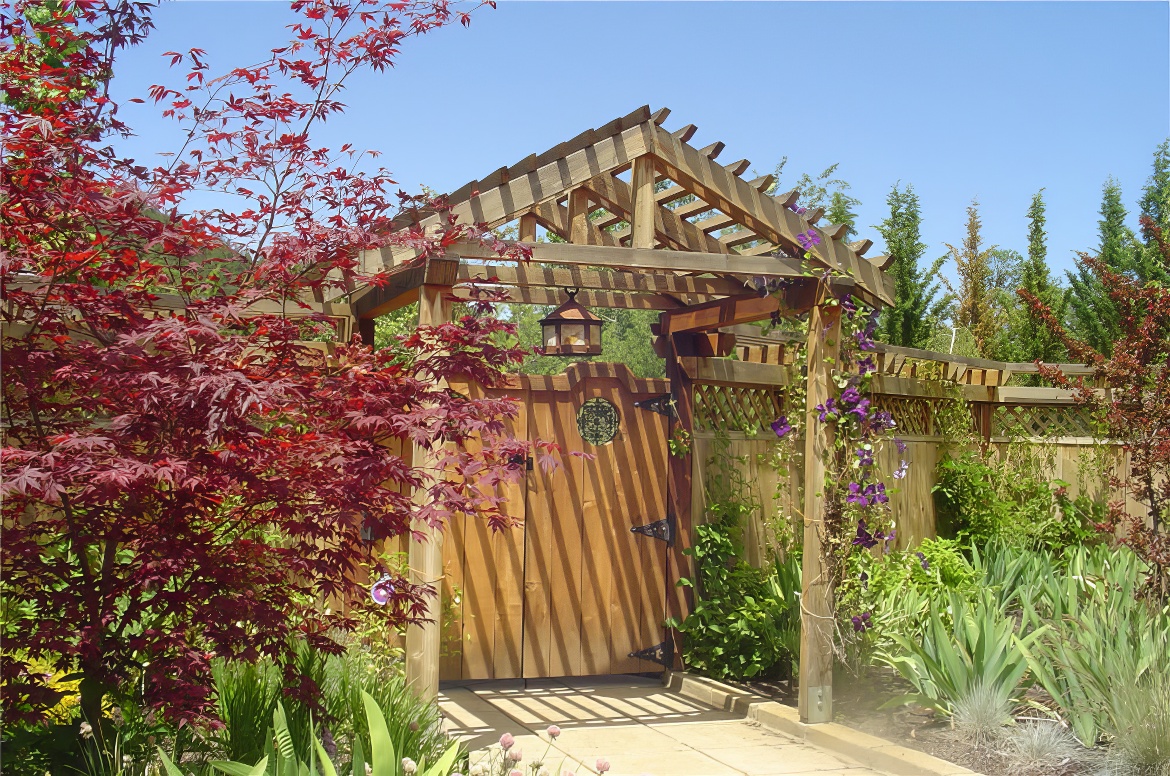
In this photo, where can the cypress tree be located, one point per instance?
(975, 307)
(917, 310)
(1028, 339)
(1155, 205)
(1093, 318)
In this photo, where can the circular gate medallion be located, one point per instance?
(597, 420)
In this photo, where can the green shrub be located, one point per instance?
(1002, 498)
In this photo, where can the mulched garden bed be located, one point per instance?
(856, 702)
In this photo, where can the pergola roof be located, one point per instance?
(667, 254)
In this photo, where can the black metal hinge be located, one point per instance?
(663, 405)
(660, 529)
(662, 654)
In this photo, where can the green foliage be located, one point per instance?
(1026, 336)
(1093, 317)
(1002, 497)
(1103, 658)
(743, 620)
(918, 309)
(281, 751)
(249, 695)
(981, 651)
(975, 304)
(840, 212)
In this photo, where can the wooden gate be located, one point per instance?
(573, 590)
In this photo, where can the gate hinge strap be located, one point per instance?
(662, 654)
(660, 529)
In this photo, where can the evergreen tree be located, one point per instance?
(975, 308)
(1155, 204)
(840, 212)
(1027, 338)
(1093, 317)
(918, 309)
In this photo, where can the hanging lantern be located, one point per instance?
(571, 330)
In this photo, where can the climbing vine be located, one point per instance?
(857, 514)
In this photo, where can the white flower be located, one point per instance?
(408, 766)
(369, 770)
(516, 755)
(86, 730)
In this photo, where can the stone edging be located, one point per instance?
(866, 749)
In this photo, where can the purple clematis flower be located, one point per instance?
(849, 398)
(808, 239)
(861, 622)
(923, 561)
(857, 496)
(864, 457)
(781, 425)
(866, 365)
(864, 580)
(901, 445)
(827, 410)
(864, 537)
(901, 470)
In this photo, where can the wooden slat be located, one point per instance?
(713, 150)
(524, 275)
(685, 133)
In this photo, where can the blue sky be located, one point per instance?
(991, 100)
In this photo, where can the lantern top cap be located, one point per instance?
(572, 310)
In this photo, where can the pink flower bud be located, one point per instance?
(515, 773)
(553, 731)
(506, 741)
(602, 765)
(516, 755)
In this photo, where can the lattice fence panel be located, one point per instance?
(1036, 420)
(913, 416)
(736, 408)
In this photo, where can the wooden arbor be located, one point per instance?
(651, 222)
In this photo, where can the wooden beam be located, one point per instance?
(660, 115)
(532, 275)
(400, 290)
(835, 231)
(762, 214)
(684, 134)
(550, 181)
(643, 208)
(738, 168)
(590, 298)
(640, 258)
(816, 633)
(719, 312)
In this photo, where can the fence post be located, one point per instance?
(816, 618)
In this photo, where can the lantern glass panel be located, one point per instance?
(573, 334)
(550, 336)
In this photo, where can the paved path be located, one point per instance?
(637, 724)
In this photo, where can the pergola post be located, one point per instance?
(423, 642)
(816, 619)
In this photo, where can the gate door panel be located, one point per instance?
(595, 589)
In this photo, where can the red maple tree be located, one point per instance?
(1130, 396)
(184, 476)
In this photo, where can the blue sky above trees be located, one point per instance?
(987, 100)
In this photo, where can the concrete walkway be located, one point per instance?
(635, 723)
